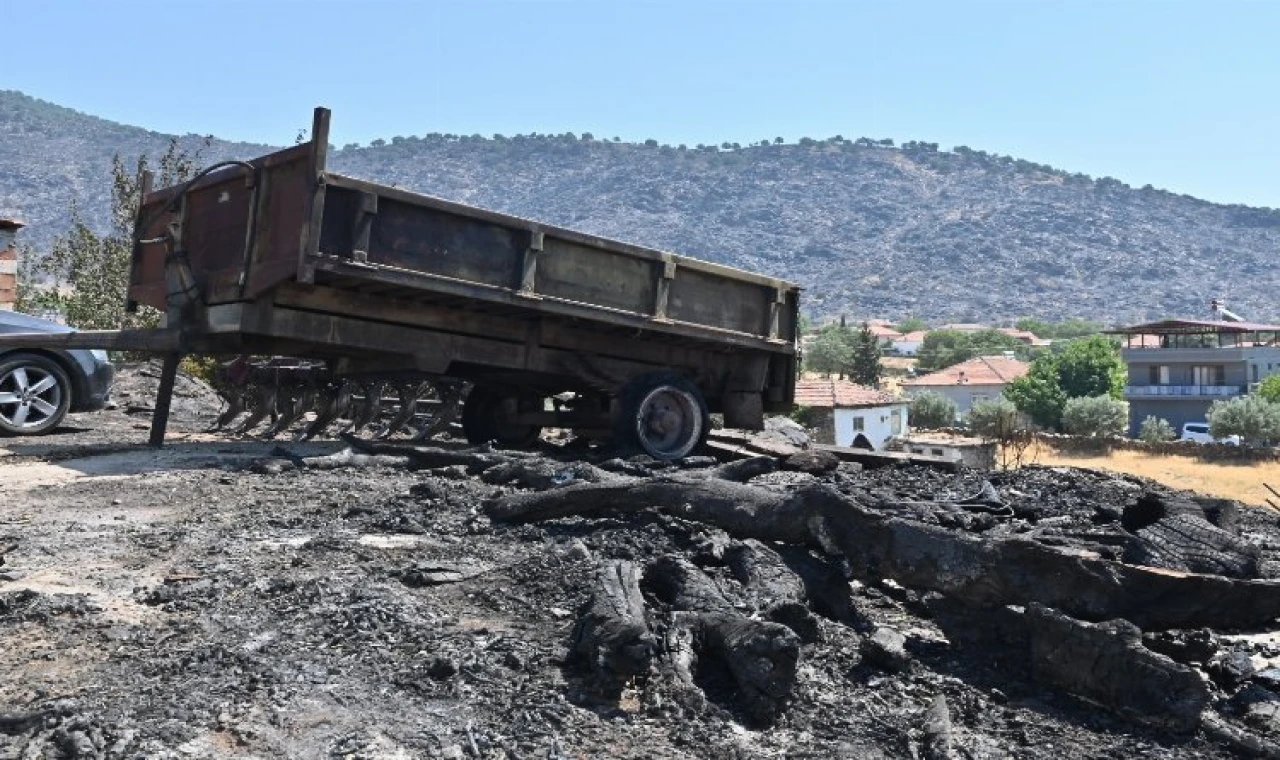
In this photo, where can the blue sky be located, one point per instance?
(1181, 95)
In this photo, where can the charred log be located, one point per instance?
(983, 572)
(774, 590)
(1107, 663)
(611, 637)
(761, 656)
(1192, 544)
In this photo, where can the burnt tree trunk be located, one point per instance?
(984, 572)
(611, 637)
(775, 591)
(761, 656)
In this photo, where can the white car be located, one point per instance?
(1199, 432)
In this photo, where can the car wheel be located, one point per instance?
(35, 394)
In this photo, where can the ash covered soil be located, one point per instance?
(193, 602)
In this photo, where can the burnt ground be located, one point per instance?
(182, 604)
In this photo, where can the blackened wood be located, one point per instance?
(611, 636)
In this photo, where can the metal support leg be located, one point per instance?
(160, 417)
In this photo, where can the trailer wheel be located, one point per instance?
(483, 419)
(664, 414)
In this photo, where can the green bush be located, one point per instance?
(1095, 416)
(997, 419)
(1270, 388)
(931, 409)
(1252, 417)
(1156, 430)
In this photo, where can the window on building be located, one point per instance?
(1158, 374)
(858, 424)
(936, 452)
(1255, 372)
(1209, 374)
(895, 422)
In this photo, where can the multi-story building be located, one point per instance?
(1179, 367)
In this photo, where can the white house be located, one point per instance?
(980, 379)
(909, 344)
(852, 415)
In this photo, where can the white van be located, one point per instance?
(1199, 432)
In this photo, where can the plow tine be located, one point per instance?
(336, 399)
(409, 395)
(368, 409)
(264, 403)
(235, 407)
(297, 406)
(450, 404)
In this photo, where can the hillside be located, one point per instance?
(868, 229)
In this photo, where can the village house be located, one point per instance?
(909, 344)
(851, 415)
(979, 379)
(1179, 367)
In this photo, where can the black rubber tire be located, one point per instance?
(57, 396)
(480, 423)
(641, 396)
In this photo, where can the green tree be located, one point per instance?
(1037, 393)
(865, 368)
(1066, 329)
(1156, 430)
(993, 418)
(1251, 417)
(1091, 367)
(1000, 421)
(831, 352)
(944, 348)
(1095, 416)
(1270, 388)
(1085, 367)
(910, 325)
(87, 273)
(930, 409)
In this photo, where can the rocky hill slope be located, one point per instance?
(867, 227)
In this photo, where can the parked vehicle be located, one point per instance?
(1199, 433)
(38, 386)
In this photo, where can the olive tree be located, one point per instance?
(1156, 430)
(998, 420)
(930, 409)
(1251, 417)
(1095, 416)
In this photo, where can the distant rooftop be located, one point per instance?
(982, 370)
(842, 394)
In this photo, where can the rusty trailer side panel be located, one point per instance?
(332, 266)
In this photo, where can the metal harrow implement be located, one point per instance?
(305, 400)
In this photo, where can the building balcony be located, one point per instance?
(1183, 391)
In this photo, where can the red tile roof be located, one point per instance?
(983, 370)
(841, 394)
(884, 332)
